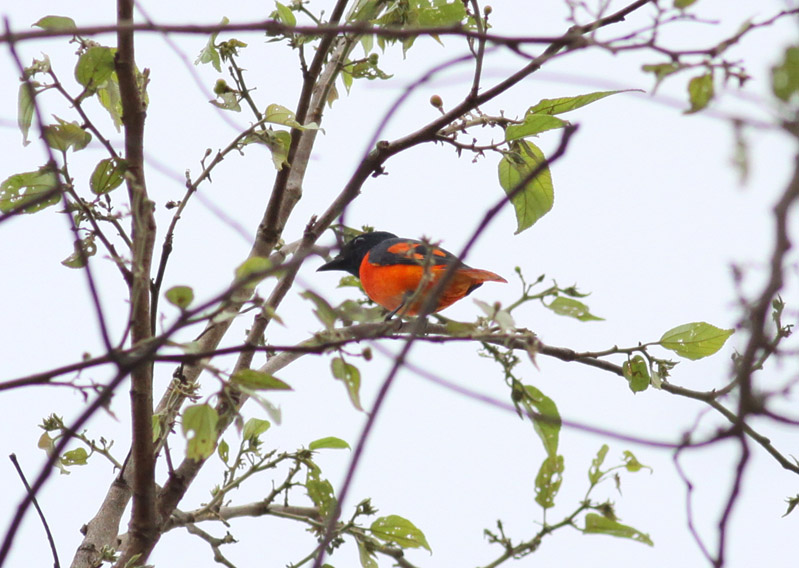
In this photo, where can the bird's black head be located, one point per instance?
(351, 255)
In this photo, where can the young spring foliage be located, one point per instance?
(523, 170)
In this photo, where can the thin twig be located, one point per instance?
(50, 539)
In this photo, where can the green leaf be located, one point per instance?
(535, 197)
(281, 115)
(532, 125)
(329, 442)
(365, 69)
(548, 480)
(324, 311)
(700, 92)
(574, 309)
(180, 296)
(254, 427)
(683, 4)
(792, 503)
(278, 114)
(156, 426)
(661, 71)
(66, 135)
(111, 100)
(229, 101)
(632, 464)
(636, 371)
(22, 189)
(368, 559)
(351, 376)
(544, 415)
(78, 456)
(258, 380)
(223, 451)
(566, 104)
(199, 428)
(594, 472)
(107, 176)
(597, 524)
(84, 248)
(210, 54)
(397, 530)
(695, 340)
(95, 67)
(785, 76)
(272, 411)
(230, 48)
(320, 492)
(45, 443)
(440, 13)
(285, 15)
(251, 271)
(56, 23)
(278, 142)
(25, 108)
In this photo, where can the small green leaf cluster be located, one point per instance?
(408, 15)
(391, 534)
(563, 301)
(543, 413)
(605, 521)
(785, 77)
(523, 170)
(33, 191)
(55, 429)
(715, 68)
(691, 340)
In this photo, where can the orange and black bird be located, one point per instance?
(391, 270)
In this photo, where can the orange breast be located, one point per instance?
(390, 285)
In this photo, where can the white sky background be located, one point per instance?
(649, 216)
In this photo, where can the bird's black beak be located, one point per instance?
(335, 264)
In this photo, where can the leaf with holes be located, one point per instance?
(594, 473)
(397, 530)
(84, 248)
(548, 480)
(78, 456)
(544, 415)
(199, 427)
(107, 176)
(351, 377)
(95, 67)
(320, 491)
(65, 135)
(180, 296)
(572, 308)
(29, 191)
